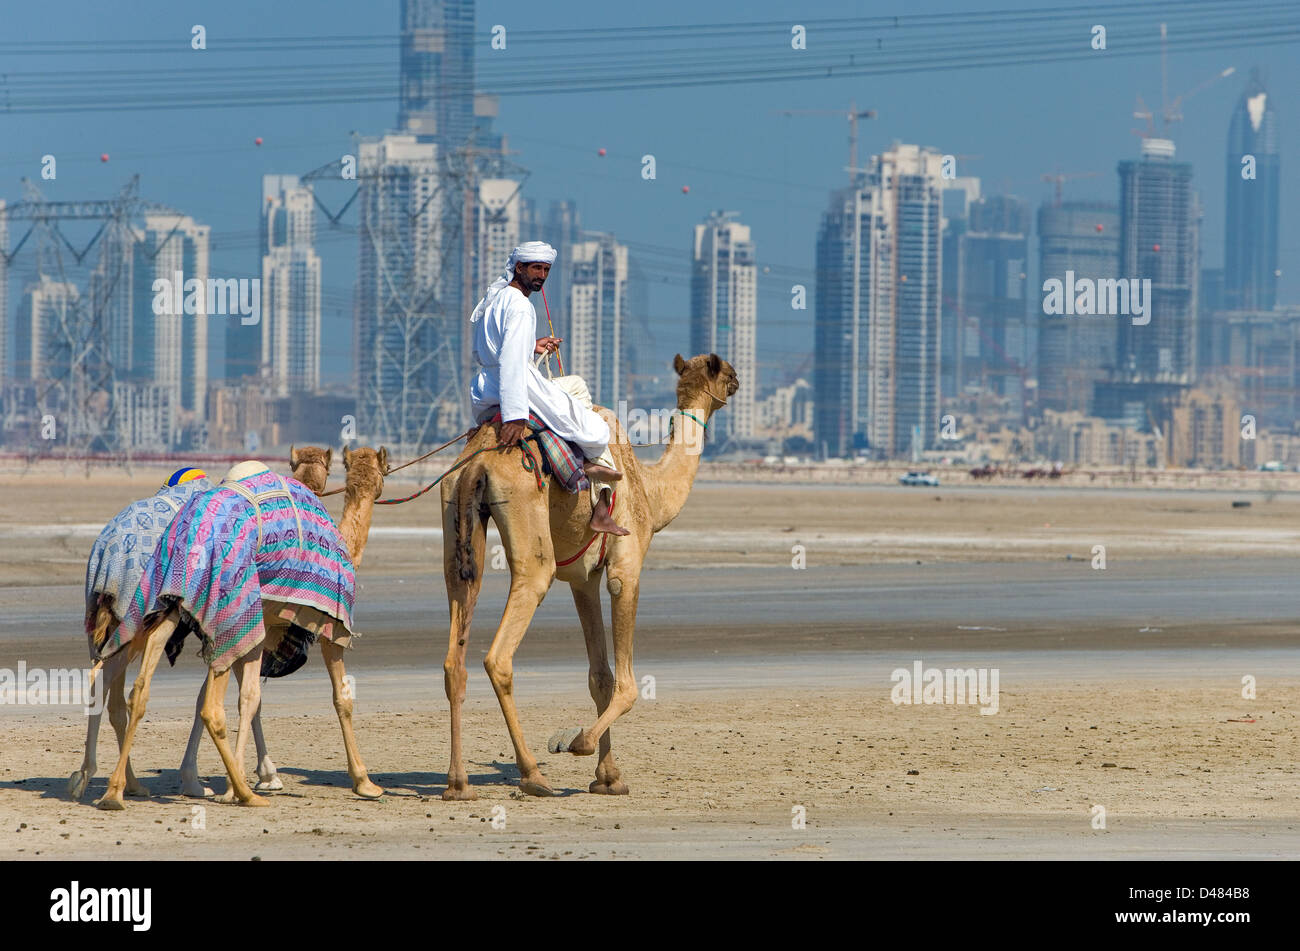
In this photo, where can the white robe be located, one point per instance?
(504, 340)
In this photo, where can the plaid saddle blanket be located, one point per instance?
(559, 456)
(261, 539)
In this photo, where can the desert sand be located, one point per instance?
(772, 689)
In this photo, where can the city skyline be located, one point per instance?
(422, 108)
(560, 149)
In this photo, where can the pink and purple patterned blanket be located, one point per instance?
(220, 560)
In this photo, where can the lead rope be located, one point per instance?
(551, 326)
(527, 461)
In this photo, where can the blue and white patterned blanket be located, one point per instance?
(123, 548)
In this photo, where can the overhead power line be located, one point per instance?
(854, 47)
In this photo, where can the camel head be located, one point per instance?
(706, 381)
(311, 466)
(366, 470)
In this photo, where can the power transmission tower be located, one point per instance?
(419, 262)
(75, 391)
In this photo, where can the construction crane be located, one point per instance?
(853, 115)
(1170, 112)
(1060, 178)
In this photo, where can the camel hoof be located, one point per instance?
(562, 741)
(137, 788)
(191, 787)
(267, 777)
(367, 790)
(255, 800)
(459, 794)
(77, 784)
(582, 745)
(536, 787)
(616, 788)
(110, 805)
(225, 798)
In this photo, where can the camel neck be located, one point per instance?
(354, 526)
(670, 479)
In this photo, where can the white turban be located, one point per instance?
(527, 253)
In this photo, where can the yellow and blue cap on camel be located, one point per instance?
(186, 474)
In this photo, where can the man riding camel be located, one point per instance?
(505, 341)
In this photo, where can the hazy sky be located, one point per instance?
(727, 143)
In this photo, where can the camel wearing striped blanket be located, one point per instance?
(364, 484)
(365, 468)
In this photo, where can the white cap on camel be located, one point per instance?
(242, 470)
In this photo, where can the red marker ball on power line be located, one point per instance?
(1155, 247)
(258, 140)
(686, 189)
(1101, 228)
(600, 152)
(103, 157)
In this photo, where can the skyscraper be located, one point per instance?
(958, 193)
(113, 287)
(1075, 352)
(47, 305)
(1212, 337)
(498, 230)
(169, 348)
(1159, 234)
(562, 229)
(648, 374)
(879, 263)
(599, 330)
(1253, 198)
(992, 282)
(409, 324)
(290, 327)
(724, 308)
(437, 70)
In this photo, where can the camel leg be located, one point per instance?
(191, 785)
(361, 784)
(214, 716)
(462, 595)
(528, 549)
(118, 716)
(155, 641)
(525, 595)
(246, 671)
(600, 681)
(113, 674)
(625, 686)
(268, 780)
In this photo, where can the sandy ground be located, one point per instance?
(772, 690)
(715, 772)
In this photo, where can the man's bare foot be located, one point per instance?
(601, 521)
(601, 473)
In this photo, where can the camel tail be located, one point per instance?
(470, 489)
(104, 622)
